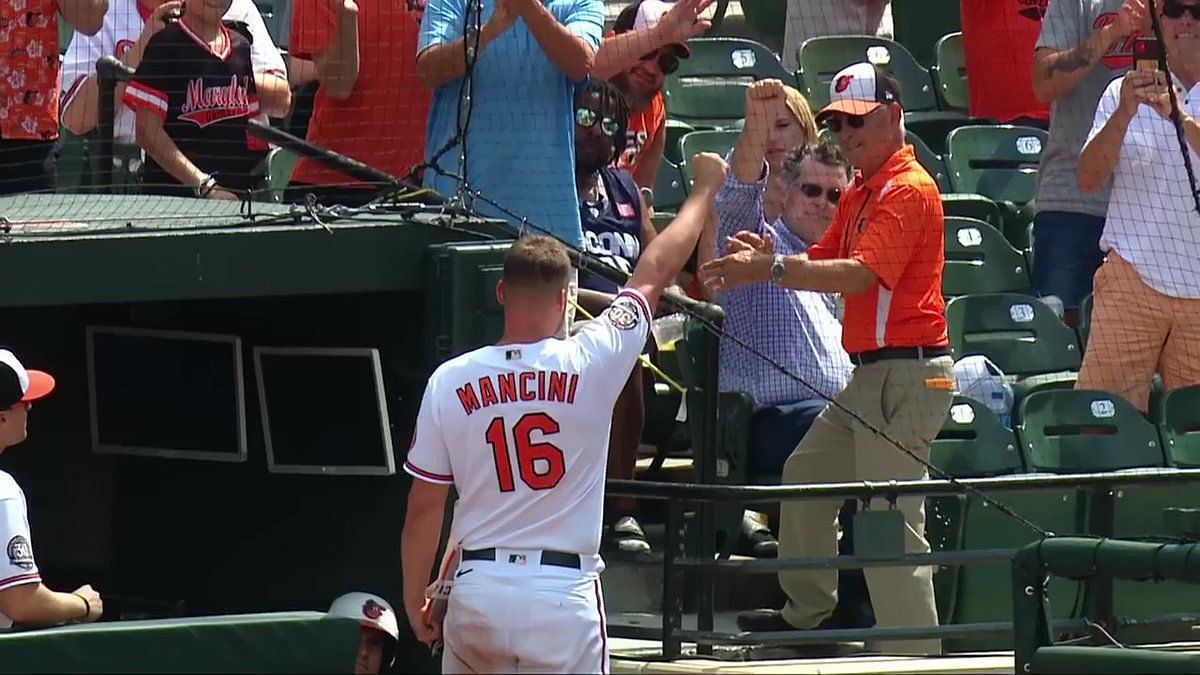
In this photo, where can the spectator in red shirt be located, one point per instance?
(29, 88)
(649, 37)
(370, 104)
(998, 41)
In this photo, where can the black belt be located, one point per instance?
(893, 353)
(554, 558)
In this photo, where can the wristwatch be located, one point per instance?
(777, 270)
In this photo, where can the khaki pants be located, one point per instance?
(908, 400)
(1136, 331)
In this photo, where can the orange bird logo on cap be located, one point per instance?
(843, 83)
(372, 610)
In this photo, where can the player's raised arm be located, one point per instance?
(669, 251)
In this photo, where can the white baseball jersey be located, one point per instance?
(123, 24)
(521, 431)
(16, 566)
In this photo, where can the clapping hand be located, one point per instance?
(682, 22)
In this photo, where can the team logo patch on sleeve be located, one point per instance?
(623, 313)
(20, 553)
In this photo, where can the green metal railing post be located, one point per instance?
(672, 601)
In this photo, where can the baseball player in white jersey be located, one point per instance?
(23, 597)
(520, 429)
(128, 26)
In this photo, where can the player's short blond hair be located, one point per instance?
(537, 263)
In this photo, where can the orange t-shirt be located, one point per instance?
(29, 87)
(382, 124)
(998, 41)
(892, 222)
(640, 134)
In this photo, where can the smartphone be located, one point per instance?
(1146, 53)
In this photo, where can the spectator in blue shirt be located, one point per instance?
(520, 143)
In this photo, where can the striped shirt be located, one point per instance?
(798, 330)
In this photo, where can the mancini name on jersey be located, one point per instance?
(204, 105)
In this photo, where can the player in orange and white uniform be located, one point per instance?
(520, 429)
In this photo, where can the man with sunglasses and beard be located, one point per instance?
(884, 253)
(616, 227)
(650, 36)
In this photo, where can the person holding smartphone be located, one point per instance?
(1146, 304)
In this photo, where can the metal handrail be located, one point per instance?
(674, 562)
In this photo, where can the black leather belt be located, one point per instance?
(893, 353)
(554, 558)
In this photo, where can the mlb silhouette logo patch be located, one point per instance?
(517, 558)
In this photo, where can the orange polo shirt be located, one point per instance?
(892, 222)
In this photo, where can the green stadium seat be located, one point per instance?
(675, 130)
(65, 34)
(971, 206)
(930, 160)
(1084, 327)
(710, 140)
(950, 73)
(73, 172)
(822, 57)
(999, 162)
(704, 102)
(1020, 334)
(918, 24)
(973, 443)
(979, 260)
(1082, 430)
(1179, 424)
(669, 192)
(731, 57)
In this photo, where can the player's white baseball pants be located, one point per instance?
(524, 617)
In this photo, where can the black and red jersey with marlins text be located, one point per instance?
(205, 99)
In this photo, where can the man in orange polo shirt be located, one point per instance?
(884, 253)
(371, 105)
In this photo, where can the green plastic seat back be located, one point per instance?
(73, 171)
(731, 57)
(1084, 327)
(822, 57)
(919, 23)
(999, 162)
(1020, 334)
(972, 206)
(980, 260)
(1179, 423)
(929, 160)
(951, 73)
(1082, 430)
(973, 443)
(711, 102)
(461, 312)
(676, 130)
(669, 192)
(718, 141)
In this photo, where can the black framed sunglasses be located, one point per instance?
(834, 122)
(587, 118)
(667, 63)
(1174, 10)
(813, 191)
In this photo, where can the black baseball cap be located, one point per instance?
(18, 384)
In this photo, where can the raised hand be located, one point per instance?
(682, 22)
(708, 171)
(1134, 16)
(504, 15)
(763, 99)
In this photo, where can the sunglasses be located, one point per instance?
(813, 191)
(834, 122)
(667, 63)
(1173, 10)
(586, 118)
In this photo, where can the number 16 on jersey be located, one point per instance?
(539, 463)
